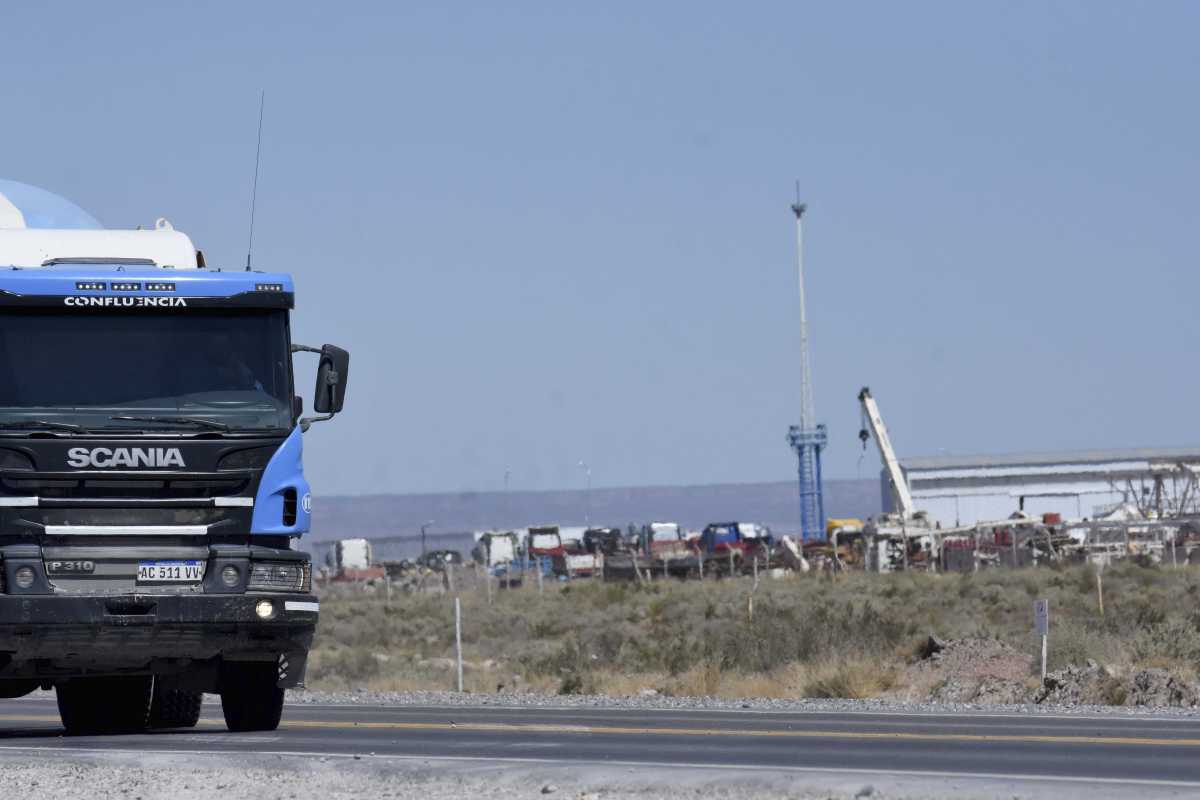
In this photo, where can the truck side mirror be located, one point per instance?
(332, 373)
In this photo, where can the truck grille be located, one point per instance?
(73, 487)
(109, 564)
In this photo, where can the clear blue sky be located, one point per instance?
(550, 233)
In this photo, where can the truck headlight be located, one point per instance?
(280, 576)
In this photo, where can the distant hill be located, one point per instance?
(398, 517)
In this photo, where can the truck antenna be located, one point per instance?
(254, 190)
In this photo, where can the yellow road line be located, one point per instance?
(498, 727)
(56, 721)
(489, 727)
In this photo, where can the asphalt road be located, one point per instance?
(1104, 750)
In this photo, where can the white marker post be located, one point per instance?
(1041, 624)
(458, 639)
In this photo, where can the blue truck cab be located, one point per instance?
(152, 489)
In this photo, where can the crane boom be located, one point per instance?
(871, 417)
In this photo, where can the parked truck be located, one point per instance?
(544, 541)
(663, 540)
(499, 552)
(353, 560)
(151, 484)
(728, 545)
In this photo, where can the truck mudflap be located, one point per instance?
(43, 635)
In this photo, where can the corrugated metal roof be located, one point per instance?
(1052, 458)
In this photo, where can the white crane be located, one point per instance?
(900, 493)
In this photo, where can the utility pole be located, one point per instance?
(427, 524)
(507, 504)
(808, 438)
(587, 497)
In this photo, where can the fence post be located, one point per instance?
(539, 572)
(458, 640)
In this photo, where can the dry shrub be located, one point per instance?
(702, 680)
(779, 684)
(620, 684)
(344, 668)
(1175, 640)
(856, 680)
(1085, 579)
(1070, 643)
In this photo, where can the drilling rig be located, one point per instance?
(808, 438)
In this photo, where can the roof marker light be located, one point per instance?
(126, 287)
(160, 287)
(90, 285)
(269, 287)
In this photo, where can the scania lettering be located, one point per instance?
(152, 491)
(102, 457)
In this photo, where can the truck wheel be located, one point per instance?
(174, 708)
(104, 705)
(250, 699)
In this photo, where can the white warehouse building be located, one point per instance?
(961, 490)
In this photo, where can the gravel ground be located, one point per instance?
(205, 777)
(714, 703)
(132, 775)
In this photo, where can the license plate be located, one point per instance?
(170, 571)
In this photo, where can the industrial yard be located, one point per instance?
(946, 514)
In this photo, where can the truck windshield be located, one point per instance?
(227, 366)
(545, 541)
(665, 533)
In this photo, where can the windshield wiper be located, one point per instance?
(24, 424)
(204, 423)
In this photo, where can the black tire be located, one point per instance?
(174, 708)
(250, 698)
(104, 705)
